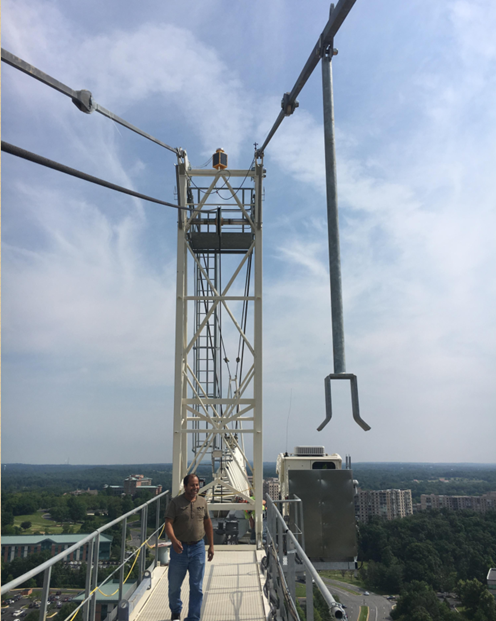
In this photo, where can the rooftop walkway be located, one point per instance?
(232, 589)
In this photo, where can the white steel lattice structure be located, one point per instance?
(218, 373)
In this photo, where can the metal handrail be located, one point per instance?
(286, 548)
(86, 600)
(89, 603)
(55, 559)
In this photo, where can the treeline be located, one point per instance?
(435, 551)
(68, 509)
(463, 479)
(65, 478)
(58, 479)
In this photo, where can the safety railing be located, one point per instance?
(286, 563)
(88, 605)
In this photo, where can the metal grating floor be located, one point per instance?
(231, 589)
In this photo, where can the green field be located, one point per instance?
(348, 577)
(40, 525)
(301, 590)
(364, 613)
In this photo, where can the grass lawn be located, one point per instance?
(348, 577)
(364, 613)
(41, 525)
(301, 590)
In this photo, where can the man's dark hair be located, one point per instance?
(188, 477)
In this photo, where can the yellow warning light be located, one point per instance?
(219, 159)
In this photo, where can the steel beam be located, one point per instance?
(332, 220)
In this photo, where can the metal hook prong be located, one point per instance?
(355, 406)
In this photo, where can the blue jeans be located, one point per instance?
(191, 559)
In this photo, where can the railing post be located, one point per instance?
(290, 572)
(309, 594)
(45, 592)
(89, 559)
(280, 542)
(277, 584)
(302, 525)
(274, 526)
(142, 559)
(94, 581)
(157, 525)
(123, 558)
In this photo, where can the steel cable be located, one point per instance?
(43, 161)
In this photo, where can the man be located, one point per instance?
(186, 522)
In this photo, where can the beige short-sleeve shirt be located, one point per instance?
(188, 517)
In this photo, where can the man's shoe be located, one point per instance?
(175, 616)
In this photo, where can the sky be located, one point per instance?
(88, 275)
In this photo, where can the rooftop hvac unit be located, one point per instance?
(309, 451)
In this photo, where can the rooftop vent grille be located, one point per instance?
(309, 451)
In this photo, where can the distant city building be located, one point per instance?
(134, 484)
(78, 492)
(388, 504)
(115, 490)
(479, 504)
(271, 487)
(137, 482)
(20, 546)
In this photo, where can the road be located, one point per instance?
(353, 598)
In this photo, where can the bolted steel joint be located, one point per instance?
(84, 101)
(287, 105)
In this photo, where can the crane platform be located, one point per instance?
(232, 589)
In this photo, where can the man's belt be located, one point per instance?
(190, 543)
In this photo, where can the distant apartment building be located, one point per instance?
(271, 487)
(388, 504)
(479, 504)
(21, 546)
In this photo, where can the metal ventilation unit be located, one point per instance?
(309, 451)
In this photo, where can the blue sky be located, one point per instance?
(88, 276)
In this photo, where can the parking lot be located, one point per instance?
(20, 606)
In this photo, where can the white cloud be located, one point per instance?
(128, 68)
(418, 258)
(87, 293)
(416, 208)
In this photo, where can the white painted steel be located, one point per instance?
(235, 415)
(181, 321)
(258, 386)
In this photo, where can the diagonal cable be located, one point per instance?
(43, 161)
(82, 99)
